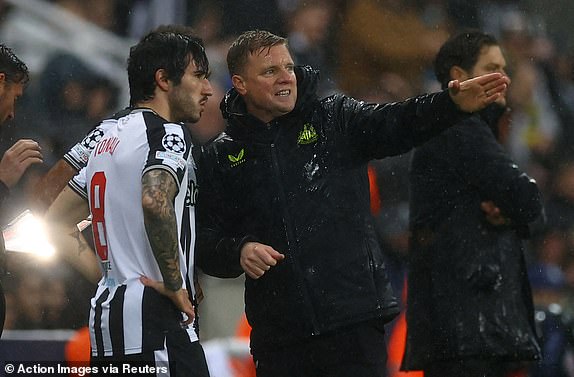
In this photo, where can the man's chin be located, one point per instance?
(191, 120)
(287, 109)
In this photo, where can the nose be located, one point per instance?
(287, 75)
(503, 72)
(207, 88)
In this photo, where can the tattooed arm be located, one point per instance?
(158, 193)
(159, 189)
(69, 209)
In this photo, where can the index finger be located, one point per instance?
(488, 78)
(272, 256)
(24, 145)
(190, 317)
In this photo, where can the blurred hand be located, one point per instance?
(180, 297)
(493, 214)
(257, 258)
(17, 159)
(475, 94)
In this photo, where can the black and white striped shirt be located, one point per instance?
(125, 316)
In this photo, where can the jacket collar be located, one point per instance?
(491, 114)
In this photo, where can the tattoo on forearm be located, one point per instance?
(82, 246)
(158, 192)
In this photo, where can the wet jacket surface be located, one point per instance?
(468, 292)
(300, 185)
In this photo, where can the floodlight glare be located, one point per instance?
(27, 234)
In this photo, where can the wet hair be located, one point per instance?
(461, 50)
(14, 69)
(168, 47)
(249, 43)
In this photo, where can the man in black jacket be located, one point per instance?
(284, 197)
(469, 306)
(25, 152)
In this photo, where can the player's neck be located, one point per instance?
(159, 107)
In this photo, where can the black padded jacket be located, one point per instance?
(300, 184)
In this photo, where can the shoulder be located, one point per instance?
(463, 137)
(220, 140)
(472, 128)
(216, 147)
(335, 100)
(333, 108)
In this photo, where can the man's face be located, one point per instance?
(268, 83)
(491, 60)
(188, 98)
(9, 93)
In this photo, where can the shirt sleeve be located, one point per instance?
(78, 183)
(169, 149)
(79, 154)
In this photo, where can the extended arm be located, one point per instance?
(50, 185)
(381, 130)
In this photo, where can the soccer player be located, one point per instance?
(139, 182)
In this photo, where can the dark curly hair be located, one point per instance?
(169, 47)
(14, 68)
(460, 50)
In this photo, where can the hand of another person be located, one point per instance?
(17, 159)
(475, 94)
(493, 214)
(180, 297)
(257, 258)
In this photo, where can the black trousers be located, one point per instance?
(469, 368)
(179, 358)
(356, 351)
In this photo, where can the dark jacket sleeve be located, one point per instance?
(381, 130)
(485, 164)
(217, 250)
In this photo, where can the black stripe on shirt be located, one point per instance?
(117, 321)
(159, 315)
(98, 322)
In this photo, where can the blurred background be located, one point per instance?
(374, 50)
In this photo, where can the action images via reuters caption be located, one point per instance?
(60, 369)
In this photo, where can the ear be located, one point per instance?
(239, 84)
(2, 77)
(458, 73)
(161, 80)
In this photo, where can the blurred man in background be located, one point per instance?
(25, 152)
(469, 304)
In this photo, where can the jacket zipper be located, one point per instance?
(292, 240)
